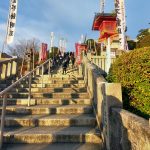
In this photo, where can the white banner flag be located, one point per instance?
(121, 22)
(11, 21)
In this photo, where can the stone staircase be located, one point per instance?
(7, 82)
(61, 115)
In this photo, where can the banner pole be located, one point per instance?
(4, 42)
(108, 55)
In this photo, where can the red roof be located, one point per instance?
(99, 18)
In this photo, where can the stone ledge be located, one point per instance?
(134, 130)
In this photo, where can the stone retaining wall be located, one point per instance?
(121, 130)
(129, 131)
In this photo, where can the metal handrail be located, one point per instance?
(4, 93)
(21, 79)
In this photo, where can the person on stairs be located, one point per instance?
(64, 66)
(72, 60)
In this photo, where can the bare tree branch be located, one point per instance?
(22, 45)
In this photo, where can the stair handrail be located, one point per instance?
(24, 77)
(4, 93)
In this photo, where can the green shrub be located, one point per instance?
(132, 69)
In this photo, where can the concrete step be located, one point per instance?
(49, 95)
(48, 109)
(58, 81)
(54, 146)
(41, 101)
(67, 76)
(1, 89)
(45, 81)
(8, 80)
(51, 135)
(58, 85)
(2, 86)
(50, 120)
(47, 77)
(84, 89)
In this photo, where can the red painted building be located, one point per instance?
(106, 24)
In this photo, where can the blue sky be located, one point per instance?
(68, 19)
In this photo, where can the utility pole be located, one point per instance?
(64, 45)
(82, 38)
(52, 43)
(108, 55)
(61, 45)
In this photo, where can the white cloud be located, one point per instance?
(67, 18)
(2, 27)
(2, 34)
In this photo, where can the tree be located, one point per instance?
(90, 43)
(131, 45)
(132, 71)
(21, 47)
(143, 38)
(142, 33)
(93, 46)
(145, 42)
(54, 52)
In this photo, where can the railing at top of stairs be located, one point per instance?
(8, 68)
(3, 94)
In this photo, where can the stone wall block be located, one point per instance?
(14, 68)
(4, 71)
(129, 131)
(100, 102)
(9, 69)
(113, 99)
(91, 68)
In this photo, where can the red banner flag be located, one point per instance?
(43, 52)
(78, 53)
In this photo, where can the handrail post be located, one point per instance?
(49, 67)
(3, 120)
(29, 97)
(42, 69)
(42, 75)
